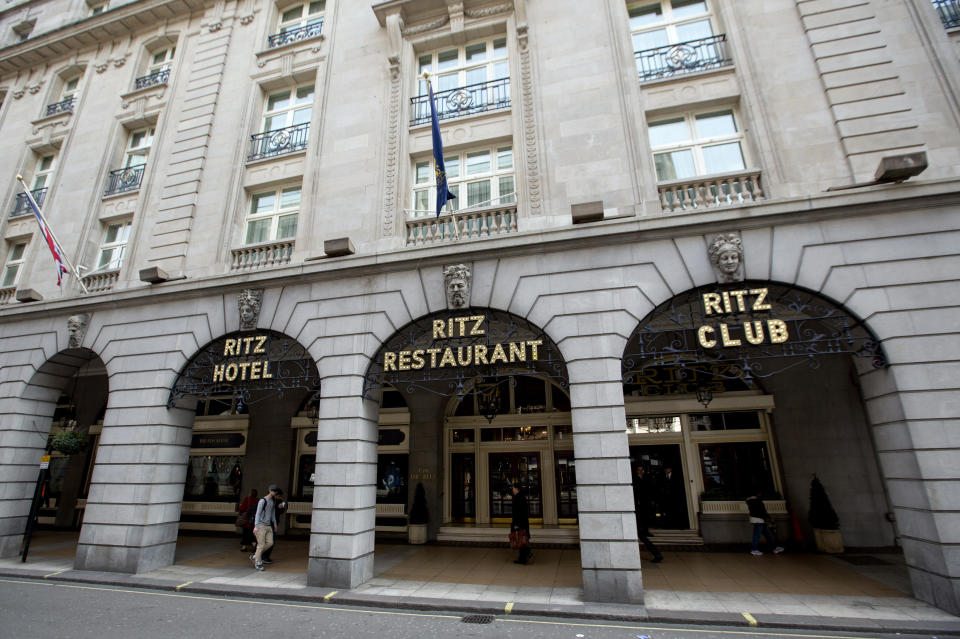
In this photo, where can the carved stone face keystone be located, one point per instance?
(456, 280)
(248, 304)
(76, 329)
(726, 255)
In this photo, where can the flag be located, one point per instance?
(48, 236)
(439, 170)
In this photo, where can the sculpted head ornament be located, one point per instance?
(76, 329)
(726, 255)
(248, 302)
(456, 279)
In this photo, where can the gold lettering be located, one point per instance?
(246, 344)
(480, 354)
(711, 303)
(725, 337)
(258, 349)
(518, 351)
(266, 370)
(447, 357)
(417, 357)
(758, 304)
(403, 360)
(753, 331)
(255, 370)
(739, 295)
(439, 329)
(462, 321)
(464, 361)
(477, 321)
(534, 343)
(244, 366)
(778, 331)
(498, 354)
(218, 372)
(389, 361)
(230, 373)
(228, 346)
(702, 335)
(726, 303)
(450, 327)
(433, 356)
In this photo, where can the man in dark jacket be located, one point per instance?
(521, 522)
(761, 521)
(641, 502)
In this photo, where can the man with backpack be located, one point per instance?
(265, 525)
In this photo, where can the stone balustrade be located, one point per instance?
(726, 189)
(6, 294)
(261, 255)
(101, 280)
(470, 224)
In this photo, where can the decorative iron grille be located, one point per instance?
(453, 103)
(295, 35)
(64, 106)
(156, 78)
(500, 327)
(279, 142)
(815, 327)
(22, 206)
(949, 11)
(291, 368)
(685, 57)
(125, 179)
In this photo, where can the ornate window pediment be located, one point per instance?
(420, 16)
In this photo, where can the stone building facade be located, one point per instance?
(193, 153)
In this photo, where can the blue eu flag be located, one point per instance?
(440, 171)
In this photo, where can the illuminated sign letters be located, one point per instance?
(753, 331)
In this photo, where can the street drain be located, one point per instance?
(478, 619)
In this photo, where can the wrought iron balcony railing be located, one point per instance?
(727, 189)
(453, 103)
(949, 11)
(64, 106)
(279, 142)
(293, 35)
(22, 207)
(125, 179)
(154, 79)
(685, 57)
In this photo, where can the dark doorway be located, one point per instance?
(506, 468)
(662, 467)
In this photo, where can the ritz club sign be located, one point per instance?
(753, 332)
(440, 356)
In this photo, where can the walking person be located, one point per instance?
(280, 507)
(520, 523)
(762, 524)
(641, 502)
(247, 507)
(265, 525)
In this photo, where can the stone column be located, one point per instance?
(609, 549)
(345, 492)
(133, 507)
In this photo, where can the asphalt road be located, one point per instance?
(53, 610)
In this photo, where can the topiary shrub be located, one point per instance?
(822, 515)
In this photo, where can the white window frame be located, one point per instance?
(41, 175)
(669, 22)
(496, 64)
(424, 183)
(137, 155)
(115, 250)
(11, 261)
(306, 18)
(277, 212)
(290, 113)
(70, 87)
(161, 59)
(697, 145)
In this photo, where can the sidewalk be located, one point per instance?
(851, 592)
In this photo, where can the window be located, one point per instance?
(669, 22)
(43, 172)
(138, 148)
(273, 215)
(696, 144)
(308, 14)
(477, 178)
(114, 246)
(736, 469)
(288, 108)
(98, 8)
(467, 79)
(161, 60)
(70, 87)
(12, 267)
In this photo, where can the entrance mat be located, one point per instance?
(864, 560)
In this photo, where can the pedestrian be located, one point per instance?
(762, 524)
(520, 524)
(642, 510)
(280, 507)
(264, 525)
(247, 510)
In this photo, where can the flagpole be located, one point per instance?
(63, 254)
(453, 217)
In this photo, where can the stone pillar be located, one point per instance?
(609, 549)
(345, 492)
(426, 445)
(133, 507)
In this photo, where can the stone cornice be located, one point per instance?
(626, 230)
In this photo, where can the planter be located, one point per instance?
(829, 541)
(417, 533)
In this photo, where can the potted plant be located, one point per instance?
(70, 440)
(823, 518)
(419, 516)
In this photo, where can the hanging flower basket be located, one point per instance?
(69, 441)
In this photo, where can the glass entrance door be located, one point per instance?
(506, 468)
(463, 501)
(668, 487)
(565, 465)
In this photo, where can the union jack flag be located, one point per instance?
(48, 236)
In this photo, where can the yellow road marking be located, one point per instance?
(326, 598)
(750, 618)
(183, 586)
(508, 608)
(54, 573)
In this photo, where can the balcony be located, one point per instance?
(685, 57)
(262, 255)
(728, 189)
(101, 280)
(7, 295)
(295, 35)
(64, 106)
(125, 180)
(462, 225)
(949, 11)
(454, 103)
(279, 142)
(154, 79)
(22, 206)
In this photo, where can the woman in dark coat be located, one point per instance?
(521, 522)
(248, 505)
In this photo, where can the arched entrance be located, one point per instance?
(60, 423)
(753, 387)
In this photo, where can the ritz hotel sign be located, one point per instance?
(751, 331)
(243, 347)
(476, 354)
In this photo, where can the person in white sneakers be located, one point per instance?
(265, 525)
(761, 521)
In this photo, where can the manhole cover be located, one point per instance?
(478, 619)
(864, 560)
